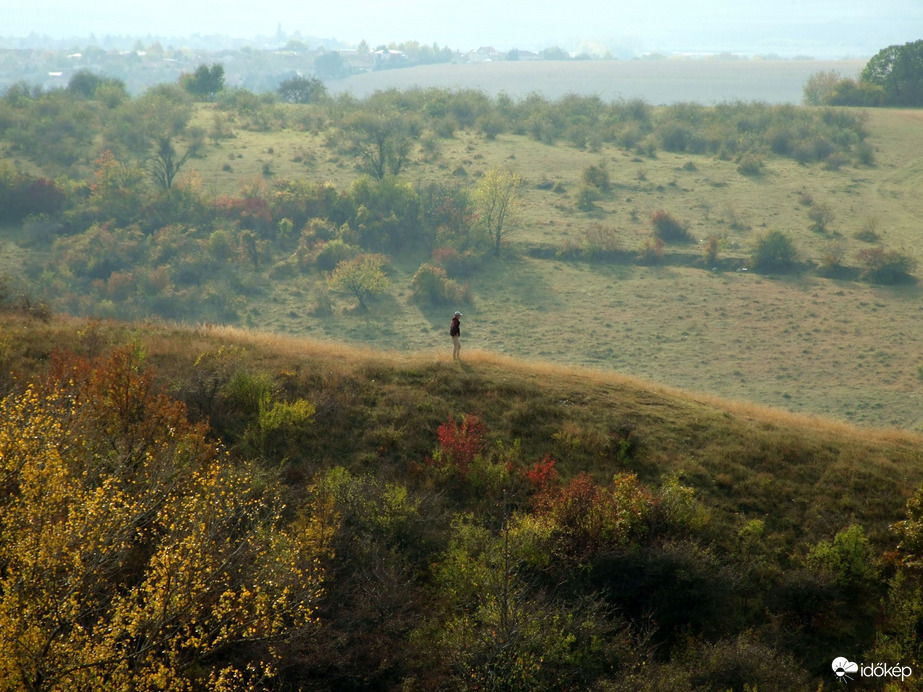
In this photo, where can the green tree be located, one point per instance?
(362, 276)
(329, 65)
(205, 82)
(87, 84)
(163, 111)
(300, 89)
(497, 198)
(898, 70)
(381, 142)
(820, 87)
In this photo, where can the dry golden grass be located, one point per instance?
(805, 476)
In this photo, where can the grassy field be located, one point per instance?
(655, 81)
(838, 348)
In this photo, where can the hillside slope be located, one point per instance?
(806, 476)
(602, 531)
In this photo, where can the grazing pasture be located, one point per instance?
(829, 346)
(662, 81)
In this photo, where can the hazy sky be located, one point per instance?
(826, 28)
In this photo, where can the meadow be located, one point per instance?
(705, 80)
(802, 342)
(811, 341)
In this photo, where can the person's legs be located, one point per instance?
(456, 346)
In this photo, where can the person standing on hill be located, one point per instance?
(455, 333)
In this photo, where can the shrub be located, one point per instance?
(668, 229)
(125, 522)
(651, 251)
(334, 252)
(849, 558)
(710, 249)
(588, 518)
(363, 276)
(836, 160)
(869, 232)
(831, 260)
(881, 266)
(821, 215)
(460, 443)
(454, 262)
(430, 284)
(750, 164)
(587, 196)
(598, 177)
(674, 136)
(601, 243)
(865, 154)
(774, 252)
(282, 423)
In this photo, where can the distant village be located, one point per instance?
(259, 67)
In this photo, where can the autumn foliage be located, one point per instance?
(460, 443)
(132, 552)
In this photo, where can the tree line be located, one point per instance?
(892, 77)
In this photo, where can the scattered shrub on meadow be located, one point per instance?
(362, 276)
(601, 244)
(881, 266)
(712, 245)
(836, 161)
(774, 252)
(750, 164)
(869, 231)
(491, 125)
(455, 262)
(865, 154)
(668, 229)
(651, 251)
(430, 284)
(821, 216)
(597, 176)
(587, 197)
(831, 260)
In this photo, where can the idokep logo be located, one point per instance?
(842, 667)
